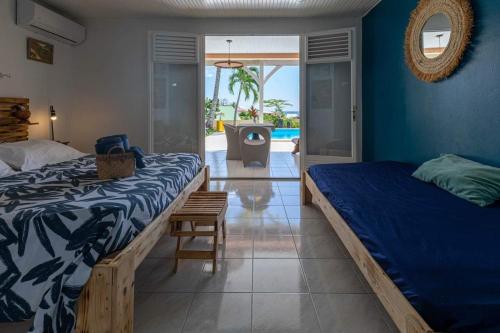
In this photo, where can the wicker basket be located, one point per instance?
(120, 165)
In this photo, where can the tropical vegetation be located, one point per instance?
(211, 109)
(281, 121)
(243, 84)
(278, 104)
(246, 84)
(278, 116)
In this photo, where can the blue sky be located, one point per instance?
(282, 85)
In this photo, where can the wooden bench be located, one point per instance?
(202, 209)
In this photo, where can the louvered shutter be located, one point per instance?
(329, 46)
(175, 48)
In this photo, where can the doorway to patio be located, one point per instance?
(252, 106)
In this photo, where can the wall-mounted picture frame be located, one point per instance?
(41, 51)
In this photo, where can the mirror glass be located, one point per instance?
(435, 36)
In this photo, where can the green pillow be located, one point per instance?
(472, 181)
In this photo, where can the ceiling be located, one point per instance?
(211, 8)
(252, 44)
(251, 50)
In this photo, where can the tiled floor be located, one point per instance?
(281, 269)
(282, 164)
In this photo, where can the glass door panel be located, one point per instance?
(328, 93)
(328, 109)
(175, 113)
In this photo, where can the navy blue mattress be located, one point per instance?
(441, 251)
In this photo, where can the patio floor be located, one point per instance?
(282, 163)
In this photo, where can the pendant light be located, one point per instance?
(228, 63)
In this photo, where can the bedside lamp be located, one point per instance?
(53, 117)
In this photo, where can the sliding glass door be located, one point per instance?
(329, 95)
(176, 83)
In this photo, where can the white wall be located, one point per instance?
(43, 84)
(111, 68)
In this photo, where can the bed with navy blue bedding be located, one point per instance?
(442, 252)
(57, 222)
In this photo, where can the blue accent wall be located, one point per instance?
(408, 120)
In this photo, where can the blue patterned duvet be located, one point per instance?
(57, 222)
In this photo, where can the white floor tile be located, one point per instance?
(232, 275)
(333, 276)
(269, 246)
(278, 276)
(220, 312)
(276, 249)
(161, 312)
(350, 313)
(284, 313)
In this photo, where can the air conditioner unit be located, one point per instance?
(35, 17)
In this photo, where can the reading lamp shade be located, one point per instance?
(53, 117)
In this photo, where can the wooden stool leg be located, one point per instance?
(193, 228)
(216, 245)
(177, 249)
(224, 229)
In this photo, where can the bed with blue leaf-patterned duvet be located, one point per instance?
(58, 221)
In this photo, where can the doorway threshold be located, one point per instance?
(257, 178)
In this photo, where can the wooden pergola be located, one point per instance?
(277, 60)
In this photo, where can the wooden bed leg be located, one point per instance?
(107, 301)
(306, 195)
(94, 305)
(206, 182)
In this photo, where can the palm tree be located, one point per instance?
(247, 85)
(215, 100)
(277, 104)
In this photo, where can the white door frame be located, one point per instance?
(202, 58)
(302, 96)
(200, 93)
(307, 160)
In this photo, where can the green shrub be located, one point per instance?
(245, 115)
(294, 122)
(285, 122)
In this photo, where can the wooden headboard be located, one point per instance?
(14, 119)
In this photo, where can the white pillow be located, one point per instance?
(5, 169)
(34, 154)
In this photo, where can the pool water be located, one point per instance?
(285, 133)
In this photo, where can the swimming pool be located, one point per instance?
(285, 133)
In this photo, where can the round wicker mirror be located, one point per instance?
(436, 38)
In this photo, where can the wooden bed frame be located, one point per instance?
(401, 311)
(106, 303)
